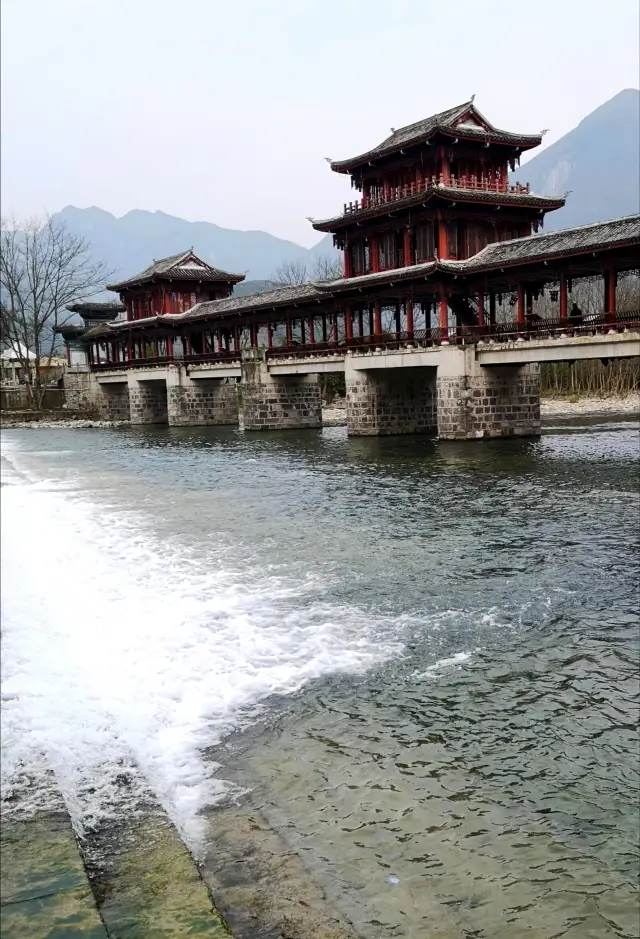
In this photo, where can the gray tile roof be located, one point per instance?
(612, 233)
(445, 121)
(529, 200)
(94, 309)
(258, 301)
(174, 268)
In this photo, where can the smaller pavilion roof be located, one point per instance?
(183, 266)
(94, 310)
(464, 120)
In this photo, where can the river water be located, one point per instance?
(444, 635)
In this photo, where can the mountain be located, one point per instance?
(130, 243)
(598, 162)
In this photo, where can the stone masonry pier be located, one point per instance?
(476, 401)
(278, 402)
(206, 401)
(390, 401)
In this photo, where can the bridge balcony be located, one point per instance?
(473, 183)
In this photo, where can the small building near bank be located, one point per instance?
(12, 364)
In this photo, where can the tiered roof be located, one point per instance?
(183, 266)
(463, 121)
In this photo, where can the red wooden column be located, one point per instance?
(492, 308)
(520, 305)
(347, 262)
(170, 347)
(444, 319)
(398, 318)
(443, 239)
(348, 323)
(610, 283)
(529, 304)
(324, 327)
(288, 331)
(269, 335)
(480, 309)
(312, 331)
(377, 318)
(303, 332)
(361, 322)
(335, 327)
(563, 297)
(408, 260)
(236, 340)
(374, 256)
(408, 308)
(446, 166)
(371, 323)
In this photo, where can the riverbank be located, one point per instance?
(336, 415)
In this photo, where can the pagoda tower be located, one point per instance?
(436, 189)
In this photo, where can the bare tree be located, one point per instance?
(327, 268)
(43, 268)
(289, 274)
(294, 273)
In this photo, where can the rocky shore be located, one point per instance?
(336, 415)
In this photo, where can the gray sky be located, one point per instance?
(222, 110)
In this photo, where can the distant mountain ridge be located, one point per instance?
(130, 243)
(598, 162)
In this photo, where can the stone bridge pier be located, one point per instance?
(444, 391)
(200, 402)
(111, 399)
(147, 398)
(278, 402)
(383, 401)
(476, 401)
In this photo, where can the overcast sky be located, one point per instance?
(222, 110)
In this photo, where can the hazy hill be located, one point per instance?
(129, 244)
(598, 161)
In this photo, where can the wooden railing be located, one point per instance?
(473, 182)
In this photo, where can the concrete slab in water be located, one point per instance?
(148, 884)
(44, 892)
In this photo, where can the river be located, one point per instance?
(430, 648)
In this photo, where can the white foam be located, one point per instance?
(453, 660)
(121, 650)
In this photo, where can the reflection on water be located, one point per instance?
(441, 639)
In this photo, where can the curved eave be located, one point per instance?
(521, 142)
(170, 278)
(441, 193)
